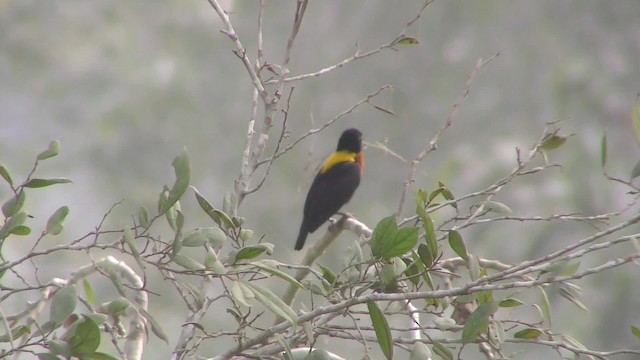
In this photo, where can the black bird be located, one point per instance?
(334, 185)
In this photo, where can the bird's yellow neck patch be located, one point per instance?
(336, 158)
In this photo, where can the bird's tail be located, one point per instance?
(302, 236)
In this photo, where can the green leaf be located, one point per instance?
(442, 351)
(220, 217)
(143, 217)
(155, 326)
(237, 294)
(21, 230)
(11, 223)
(382, 235)
(381, 328)
(53, 150)
(88, 292)
(86, 338)
(529, 333)
(16, 333)
(4, 172)
(54, 224)
(187, 262)
(425, 255)
(128, 238)
(388, 279)
(38, 183)
(59, 347)
(552, 141)
(457, 244)
(430, 237)
(407, 40)
(447, 194)
(273, 303)
(253, 251)
(63, 303)
(212, 262)
(328, 275)
(635, 172)
(603, 150)
(282, 275)
(497, 207)
(510, 302)
(388, 242)
(635, 118)
(478, 322)
(194, 239)
(417, 259)
(546, 306)
(13, 205)
(635, 331)
(182, 170)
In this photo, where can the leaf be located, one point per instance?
(510, 302)
(86, 338)
(12, 223)
(407, 40)
(381, 328)
(13, 205)
(552, 141)
(425, 255)
(38, 183)
(54, 224)
(383, 232)
(194, 239)
(478, 322)
(457, 244)
(220, 217)
(155, 326)
(419, 351)
(4, 172)
(128, 238)
(422, 268)
(182, 170)
(282, 275)
(497, 207)
(237, 294)
(635, 118)
(253, 251)
(546, 306)
(88, 292)
(388, 242)
(529, 333)
(21, 230)
(53, 150)
(603, 150)
(430, 236)
(442, 351)
(447, 194)
(388, 279)
(635, 331)
(272, 302)
(16, 333)
(143, 217)
(187, 262)
(212, 262)
(63, 303)
(328, 275)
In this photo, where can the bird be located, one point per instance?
(334, 184)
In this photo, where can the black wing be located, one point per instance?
(328, 192)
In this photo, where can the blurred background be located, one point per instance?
(125, 85)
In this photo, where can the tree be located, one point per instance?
(410, 283)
